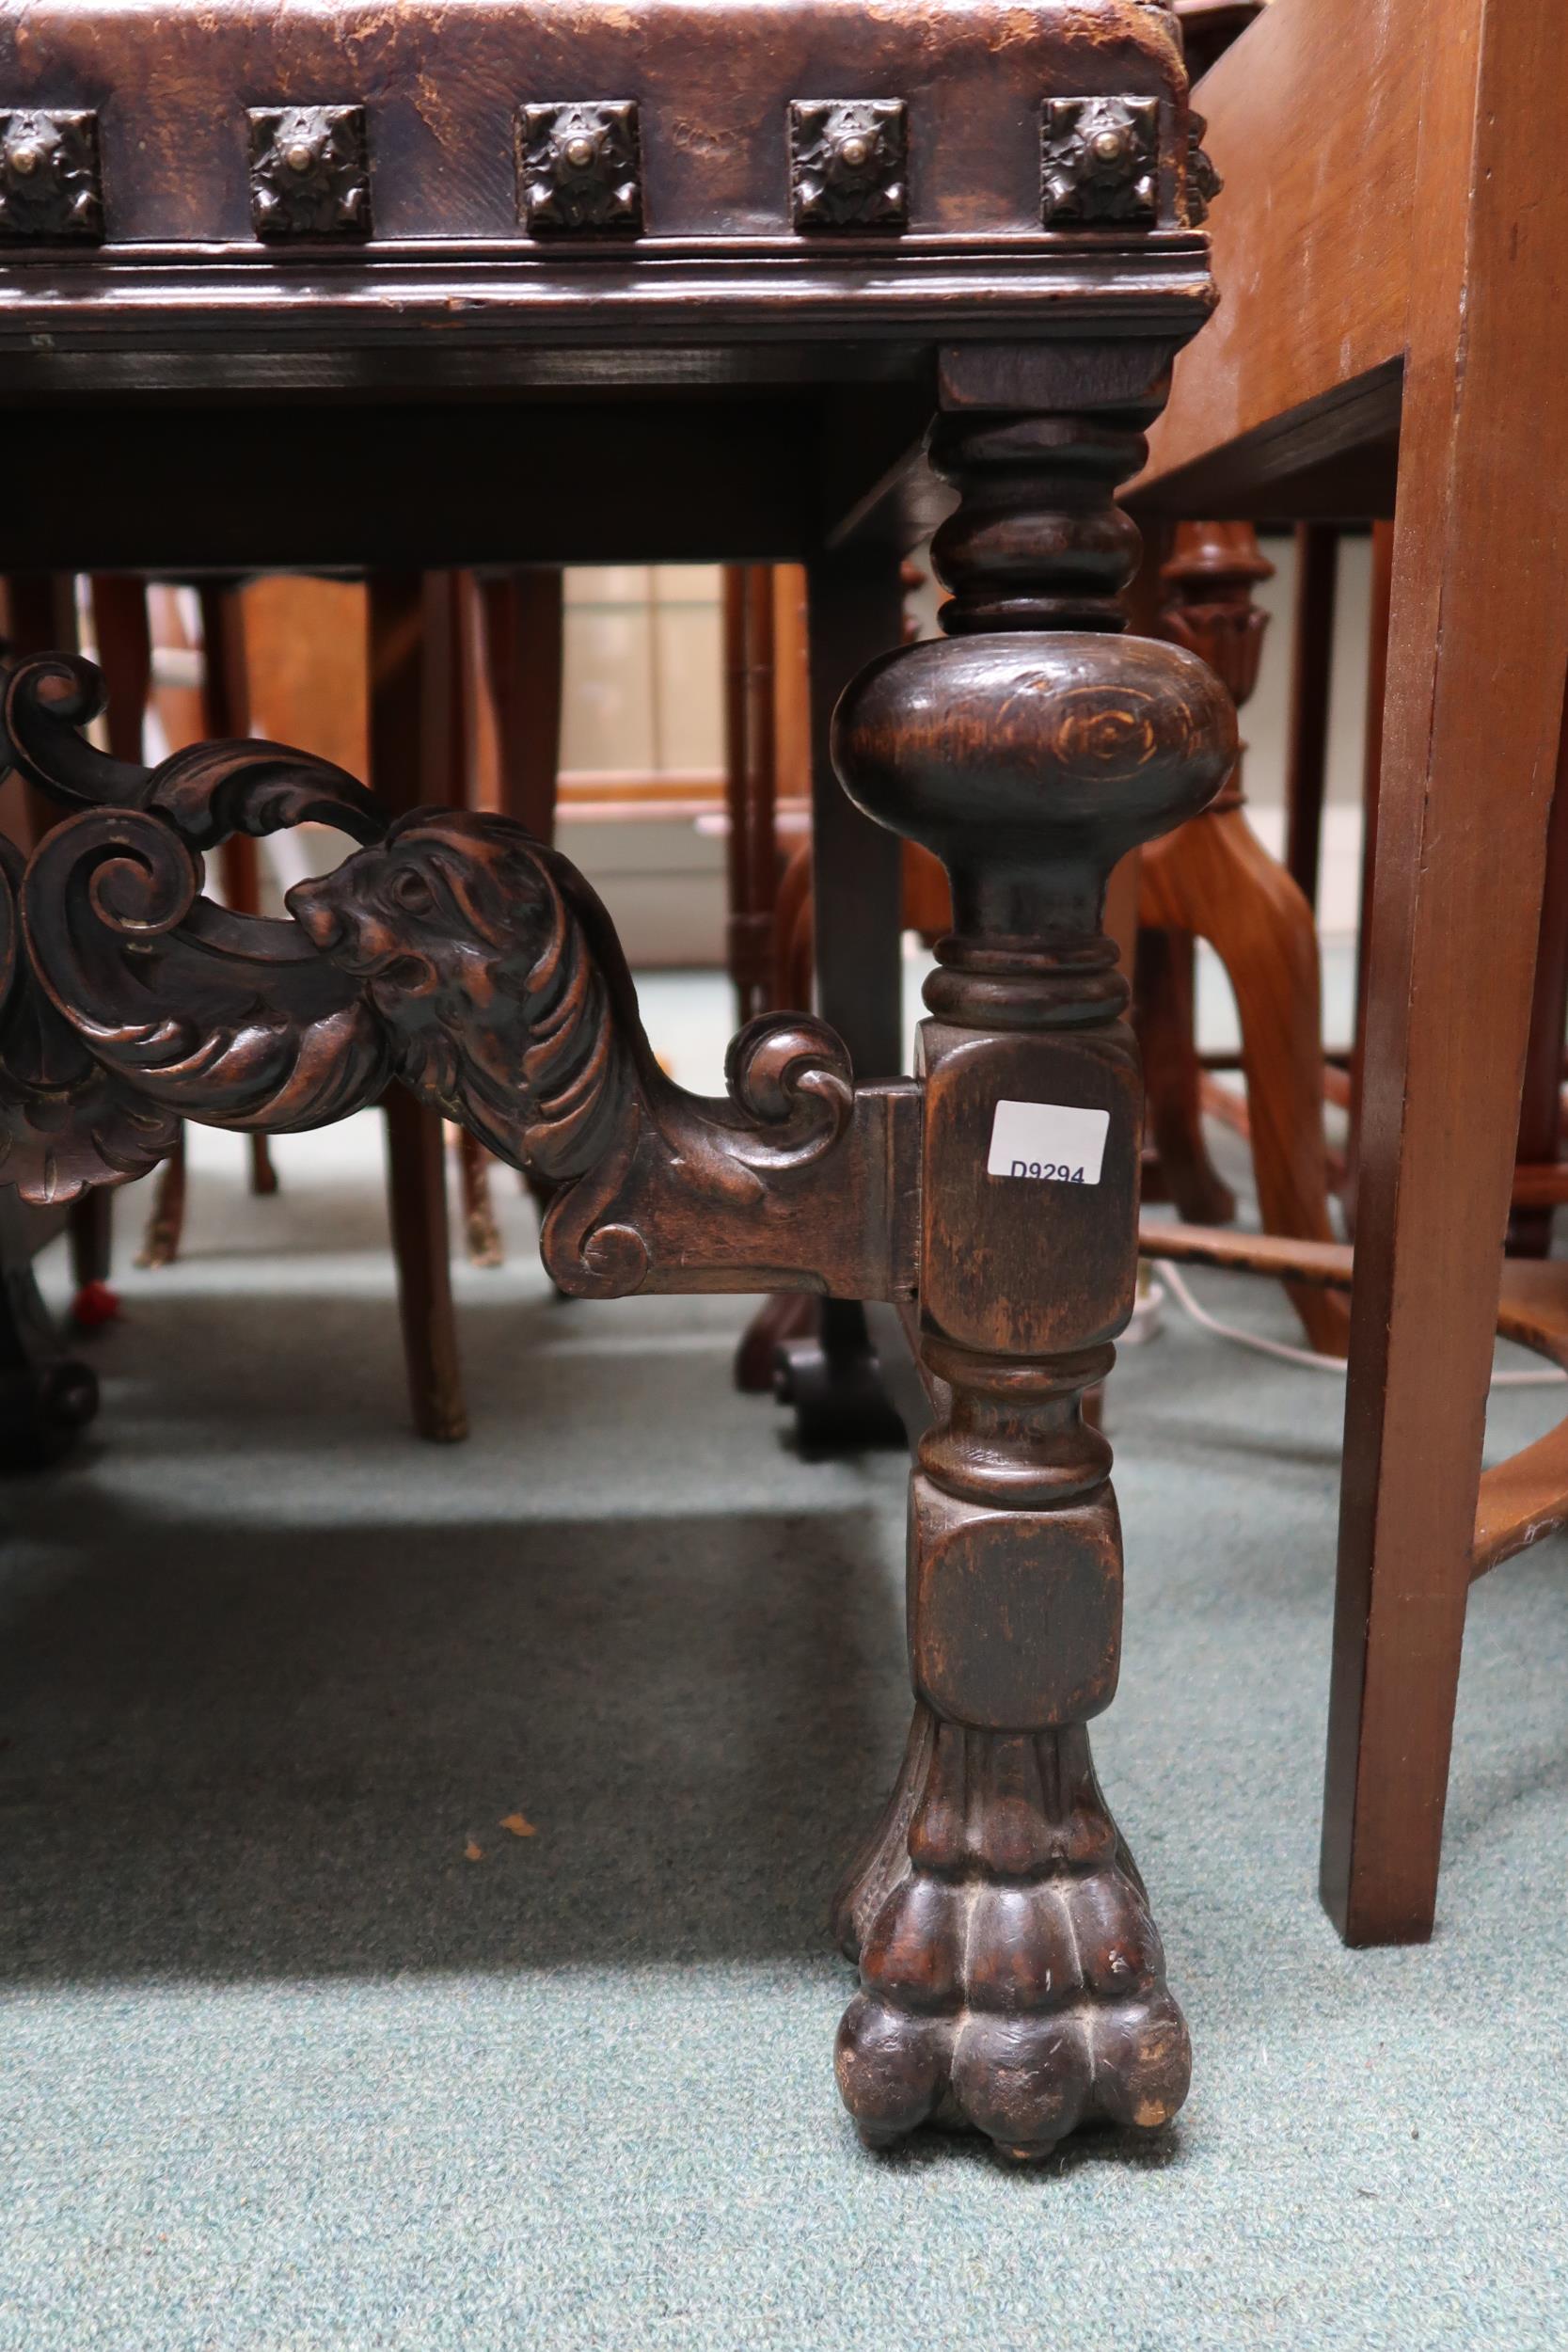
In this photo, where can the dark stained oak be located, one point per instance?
(690, 286)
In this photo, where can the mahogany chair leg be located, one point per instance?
(1530, 1228)
(1306, 729)
(1214, 879)
(225, 712)
(1478, 652)
(165, 1223)
(1165, 1022)
(1377, 680)
(523, 638)
(242, 891)
(413, 674)
(480, 1234)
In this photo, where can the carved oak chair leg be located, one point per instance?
(1011, 1977)
(413, 655)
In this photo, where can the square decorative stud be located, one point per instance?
(310, 171)
(578, 168)
(1102, 159)
(50, 188)
(847, 163)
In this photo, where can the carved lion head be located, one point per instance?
(477, 961)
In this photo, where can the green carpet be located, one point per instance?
(282, 2071)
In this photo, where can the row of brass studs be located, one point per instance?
(579, 168)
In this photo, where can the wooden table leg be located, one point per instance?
(1011, 1975)
(413, 686)
(1477, 657)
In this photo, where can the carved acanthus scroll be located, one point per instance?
(451, 952)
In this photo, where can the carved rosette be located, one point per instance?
(1101, 161)
(578, 168)
(1203, 181)
(847, 163)
(310, 171)
(51, 191)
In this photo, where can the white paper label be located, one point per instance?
(1054, 1143)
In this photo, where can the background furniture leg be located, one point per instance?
(47, 1397)
(226, 692)
(751, 744)
(1216, 880)
(1529, 1228)
(1307, 728)
(165, 1223)
(480, 1234)
(414, 666)
(1372, 776)
(1165, 1019)
(523, 637)
(1478, 652)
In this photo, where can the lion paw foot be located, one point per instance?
(1011, 1975)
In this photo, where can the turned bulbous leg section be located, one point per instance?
(1011, 1975)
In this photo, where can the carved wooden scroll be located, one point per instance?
(451, 952)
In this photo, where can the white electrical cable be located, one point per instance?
(1308, 1357)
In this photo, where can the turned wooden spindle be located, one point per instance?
(1011, 1977)
(1216, 880)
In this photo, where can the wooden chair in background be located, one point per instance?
(1392, 245)
(442, 689)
